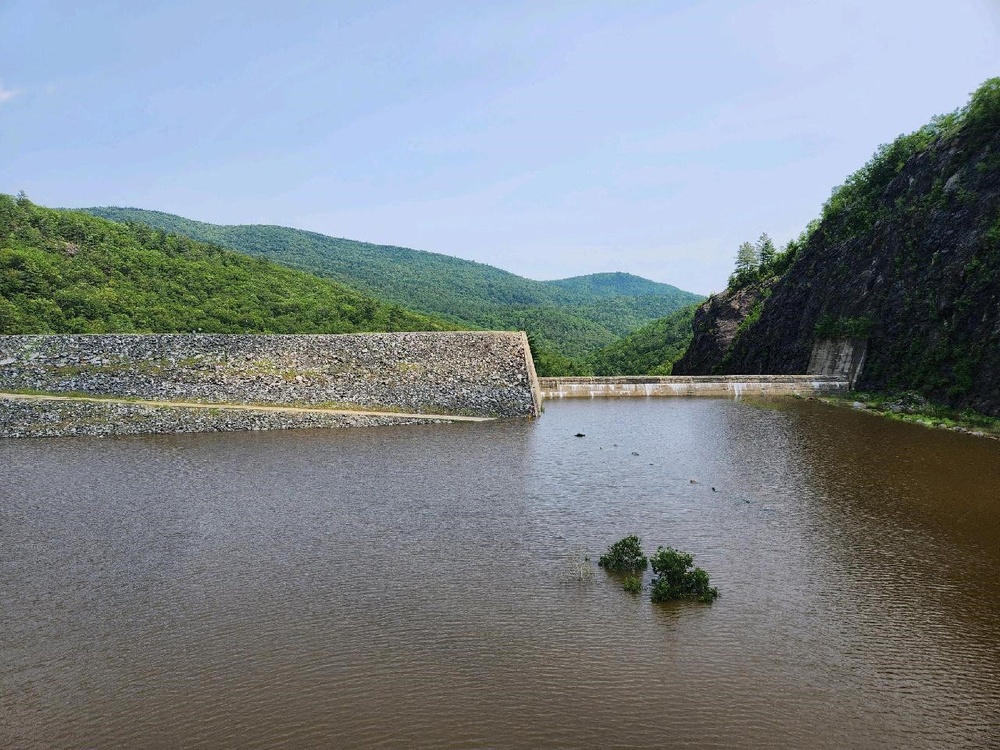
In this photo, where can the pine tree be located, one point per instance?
(766, 251)
(747, 258)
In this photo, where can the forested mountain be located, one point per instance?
(651, 350)
(905, 255)
(571, 317)
(605, 285)
(67, 272)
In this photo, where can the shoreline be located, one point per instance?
(914, 409)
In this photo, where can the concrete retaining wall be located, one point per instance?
(727, 386)
(840, 357)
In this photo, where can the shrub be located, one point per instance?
(624, 556)
(829, 327)
(674, 579)
(632, 584)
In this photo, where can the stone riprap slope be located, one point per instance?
(484, 374)
(42, 418)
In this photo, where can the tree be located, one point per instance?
(747, 258)
(766, 251)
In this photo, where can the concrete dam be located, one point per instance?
(724, 386)
(131, 384)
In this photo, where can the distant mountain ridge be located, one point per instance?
(67, 272)
(572, 317)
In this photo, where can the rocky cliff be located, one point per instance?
(716, 324)
(907, 255)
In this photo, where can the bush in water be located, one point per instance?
(674, 580)
(624, 556)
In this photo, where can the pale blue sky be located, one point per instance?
(548, 138)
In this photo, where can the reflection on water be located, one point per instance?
(410, 586)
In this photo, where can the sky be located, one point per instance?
(551, 139)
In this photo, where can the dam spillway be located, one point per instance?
(724, 386)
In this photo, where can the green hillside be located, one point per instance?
(570, 317)
(651, 350)
(67, 272)
(609, 285)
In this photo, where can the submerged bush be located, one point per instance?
(632, 584)
(674, 580)
(624, 556)
(580, 567)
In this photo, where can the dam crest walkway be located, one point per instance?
(727, 386)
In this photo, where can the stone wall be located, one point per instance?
(482, 374)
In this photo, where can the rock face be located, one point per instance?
(715, 325)
(915, 270)
(483, 374)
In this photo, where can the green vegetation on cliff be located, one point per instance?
(67, 272)
(860, 203)
(905, 254)
(567, 319)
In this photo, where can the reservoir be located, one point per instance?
(414, 586)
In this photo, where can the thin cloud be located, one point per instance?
(7, 94)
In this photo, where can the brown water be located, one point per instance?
(409, 587)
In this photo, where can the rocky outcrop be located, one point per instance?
(715, 325)
(913, 266)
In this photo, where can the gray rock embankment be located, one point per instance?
(22, 418)
(473, 373)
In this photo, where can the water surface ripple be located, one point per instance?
(411, 587)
